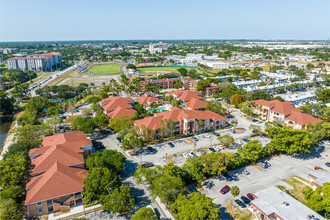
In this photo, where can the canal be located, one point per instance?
(4, 128)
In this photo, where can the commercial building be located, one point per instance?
(187, 83)
(37, 62)
(273, 204)
(187, 121)
(57, 170)
(117, 106)
(283, 113)
(215, 64)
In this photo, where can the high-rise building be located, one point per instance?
(45, 61)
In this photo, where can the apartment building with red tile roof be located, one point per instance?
(187, 83)
(57, 170)
(191, 99)
(211, 89)
(187, 121)
(282, 112)
(147, 99)
(117, 106)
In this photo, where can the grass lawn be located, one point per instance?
(105, 69)
(296, 192)
(236, 213)
(158, 69)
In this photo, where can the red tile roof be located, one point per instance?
(57, 181)
(118, 106)
(185, 95)
(55, 154)
(286, 108)
(194, 103)
(177, 114)
(121, 111)
(146, 99)
(72, 140)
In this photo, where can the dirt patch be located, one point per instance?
(296, 192)
(236, 213)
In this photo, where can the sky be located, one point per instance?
(45, 20)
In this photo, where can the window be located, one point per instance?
(39, 203)
(40, 210)
(207, 124)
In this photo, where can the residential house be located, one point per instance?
(211, 89)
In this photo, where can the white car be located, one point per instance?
(207, 135)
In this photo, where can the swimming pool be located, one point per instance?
(161, 109)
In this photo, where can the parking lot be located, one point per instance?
(282, 168)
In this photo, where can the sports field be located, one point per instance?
(105, 69)
(151, 70)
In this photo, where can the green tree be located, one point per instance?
(194, 168)
(119, 201)
(255, 128)
(100, 181)
(101, 121)
(183, 71)
(10, 209)
(234, 190)
(130, 66)
(111, 159)
(195, 206)
(216, 107)
(36, 104)
(13, 170)
(226, 140)
(83, 124)
(251, 151)
(319, 199)
(33, 134)
(167, 187)
(144, 213)
(6, 103)
(121, 123)
(53, 110)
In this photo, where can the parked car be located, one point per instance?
(317, 168)
(250, 196)
(240, 203)
(254, 120)
(225, 189)
(262, 165)
(245, 172)
(146, 164)
(259, 122)
(264, 134)
(228, 176)
(171, 144)
(211, 149)
(267, 164)
(151, 149)
(245, 200)
(207, 135)
(216, 134)
(327, 164)
(194, 138)
(245, 140)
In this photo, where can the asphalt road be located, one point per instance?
(54, 76)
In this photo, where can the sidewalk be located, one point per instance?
(75, 211)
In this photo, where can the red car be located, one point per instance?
(317, 168)
(264, 134)
(225, 189)
(250, 196)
